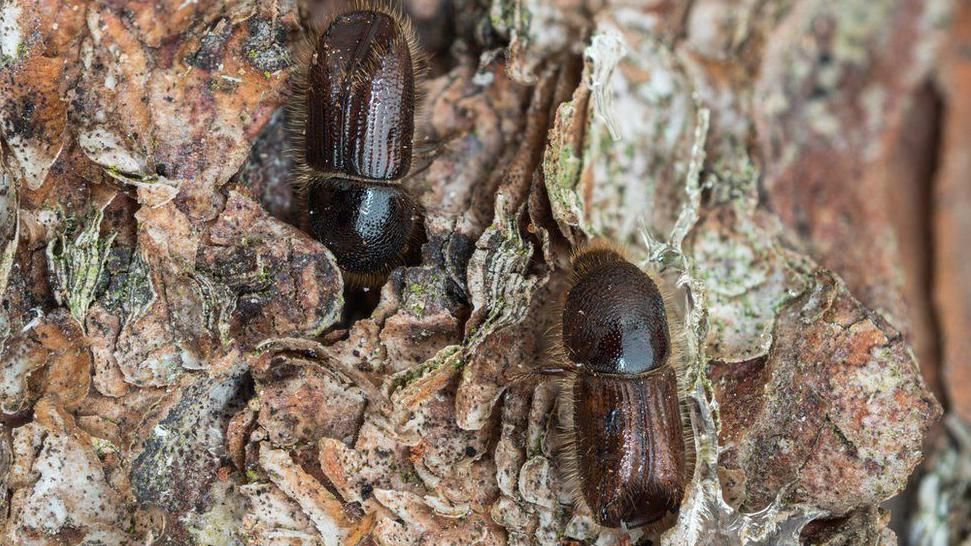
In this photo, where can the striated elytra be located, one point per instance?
(353, 122)
(361, 98)
(624, 448)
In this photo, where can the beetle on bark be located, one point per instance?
(623, 448)
(352, 120)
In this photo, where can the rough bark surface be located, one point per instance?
(181, 363)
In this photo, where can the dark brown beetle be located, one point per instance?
(352, 118)
(624, 442)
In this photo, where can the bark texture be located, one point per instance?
(180, 362)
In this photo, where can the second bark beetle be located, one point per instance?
(623, 450)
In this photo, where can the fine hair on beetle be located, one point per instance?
(351, 117)
(625, 444)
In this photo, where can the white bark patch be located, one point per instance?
(605, 51)
(68, 490)
(10, 34)
(272, 516)
(9, 233)
(323, 509)
(105, 148)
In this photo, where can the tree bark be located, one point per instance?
(181, 363)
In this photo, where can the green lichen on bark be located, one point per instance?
(943, 493)
(76, 257)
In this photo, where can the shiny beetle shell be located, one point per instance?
(625, 448)
(360, 98)
(367, 225)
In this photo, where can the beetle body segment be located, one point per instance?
(367, 225)
(360, 99)
(614, 319)
(628, 446)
